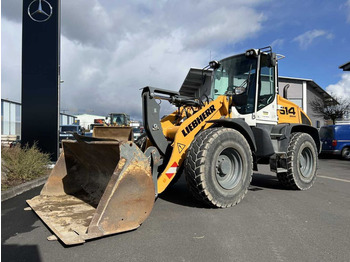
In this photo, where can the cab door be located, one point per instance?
(266, 104)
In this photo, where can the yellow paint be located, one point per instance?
(187, 131)
(182, 128)
(288, 112)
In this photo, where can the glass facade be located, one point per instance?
(11, 118)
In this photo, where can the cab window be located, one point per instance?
(266, 93)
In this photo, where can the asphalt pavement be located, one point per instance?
(270, 224)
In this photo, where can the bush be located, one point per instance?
(22, 164)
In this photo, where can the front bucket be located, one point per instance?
(96, 188)
(120, 133)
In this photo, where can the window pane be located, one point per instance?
(6, 118)
(266, 84)
(18, 120)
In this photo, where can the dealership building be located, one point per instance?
(11, 118)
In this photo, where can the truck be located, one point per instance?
(66, 132)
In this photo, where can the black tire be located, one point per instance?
(302, 160)
(345, 153)
(219, 167)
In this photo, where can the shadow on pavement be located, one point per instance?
(20, 253)
(14, 219)
(179, 194)
(265, 181)
(329, 156)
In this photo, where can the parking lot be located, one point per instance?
(270, 224)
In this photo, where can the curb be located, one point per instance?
(17, 190)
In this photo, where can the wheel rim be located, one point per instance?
(229, 168)
(346, 153)
(306, 162)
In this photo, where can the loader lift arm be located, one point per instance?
(183, 128)
(151, 117)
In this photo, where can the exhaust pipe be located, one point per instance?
(285, 91)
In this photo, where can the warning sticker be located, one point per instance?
(172, 170)
(180, 147)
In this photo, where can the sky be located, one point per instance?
(112, 48)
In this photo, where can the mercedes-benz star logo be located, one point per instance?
(40, 10)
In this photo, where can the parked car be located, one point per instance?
(335, 140)
(66, 132)
(137, 131)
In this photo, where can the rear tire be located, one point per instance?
(345, 153)
(301, 162)
(219, 167)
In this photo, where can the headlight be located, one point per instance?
(214, 64)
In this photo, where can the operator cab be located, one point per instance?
(250, 79)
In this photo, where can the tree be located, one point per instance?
(334, 110)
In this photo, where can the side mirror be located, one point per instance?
(273, 59)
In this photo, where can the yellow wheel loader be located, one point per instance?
(216, 138)
(117, 126)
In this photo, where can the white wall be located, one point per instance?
(86, 119)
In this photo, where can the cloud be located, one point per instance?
(348, 9)
(11, 60)
(12, 10)
(278, 43)
(342, 88)
(110, 49)
(88, 26)
(306, 39)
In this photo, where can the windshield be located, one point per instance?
(118, 119)
(69, 128)
(236, 71)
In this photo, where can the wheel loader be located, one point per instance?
(216, 138)
(117, 126)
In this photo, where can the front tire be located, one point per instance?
(301, 162)
(219, 167)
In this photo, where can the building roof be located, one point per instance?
(9, 101)
(67, 115)
(295, 78)
(345, 67)
(326, 97)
